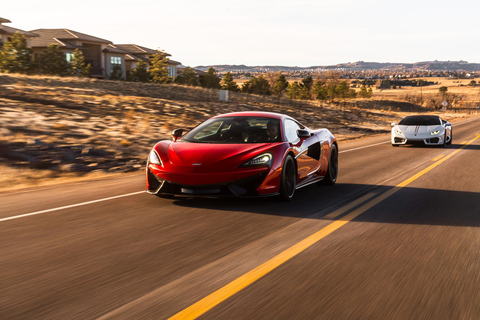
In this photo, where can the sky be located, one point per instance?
(257, 32)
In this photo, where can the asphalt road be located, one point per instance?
(395, 238)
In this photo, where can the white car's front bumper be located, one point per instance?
(426, 140)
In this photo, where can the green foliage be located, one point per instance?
(472, 83)
(320, 91)
(158, 68)
(117, 73)
(15, 56)
(280, 85)
(229, 84)
(443, 90)
(52, 61)
(307, 82)
(363, 93)
(139, 73)
(257, 85)
(211, 80)
(293, 90)
(77, 65)
(343, 91)
(188, 77)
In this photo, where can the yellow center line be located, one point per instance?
(464, 142)
(349, 206)
(438, 158)
(215, 298)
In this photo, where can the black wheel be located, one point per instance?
(451, 137)
(332, 170)
(445, 139)
(288, 180)
(395, 145)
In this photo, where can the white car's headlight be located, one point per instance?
(263, 159)
(154, 158)
(397, 131)
(435, 132)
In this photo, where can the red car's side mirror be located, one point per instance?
(303, 133)
(176, 134)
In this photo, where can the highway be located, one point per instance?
(395, 238)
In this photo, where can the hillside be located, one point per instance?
(355, 66)
(54, 128)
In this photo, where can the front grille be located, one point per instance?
(433, 140)
(399, 140)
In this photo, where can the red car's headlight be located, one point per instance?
(263, 159)
(154, 158)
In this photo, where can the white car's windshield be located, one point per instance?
(236, 130)
(420, 121)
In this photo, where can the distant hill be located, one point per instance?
(355, 66)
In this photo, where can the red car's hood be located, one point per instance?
(209, 154)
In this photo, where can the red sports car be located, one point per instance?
(245, 154)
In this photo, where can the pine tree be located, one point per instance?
(320, 91)
(140, 72)
(116, 73)
(188, 77)
(280, 85)
(77, 65)
(158, 68)
(307, 82)
(15, 56)
(228, 83)
(211, 80)
(293, 90)
(363, 93)
(52, 61)
(257, 85)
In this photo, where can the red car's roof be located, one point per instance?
(253, 114)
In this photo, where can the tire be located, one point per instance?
(445, 140)
(332, 170)
(288, 179)
(395, 145)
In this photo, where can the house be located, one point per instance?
(136, 53)
(199, 73)
(101, 54)
(6, 32)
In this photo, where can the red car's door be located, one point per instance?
(307, 151)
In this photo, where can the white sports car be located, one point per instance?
(424, 130)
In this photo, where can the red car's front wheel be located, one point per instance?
(289, 179)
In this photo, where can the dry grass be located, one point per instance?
(132, 116)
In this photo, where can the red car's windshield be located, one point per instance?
(236, 130)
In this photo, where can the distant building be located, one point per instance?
(136, 53)
(98, 52)
(6, 32)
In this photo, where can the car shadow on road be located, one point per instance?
(406, 206)
(452, 146)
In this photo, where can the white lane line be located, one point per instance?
(69, 206)
(370, 145)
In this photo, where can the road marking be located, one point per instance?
(349, 206)
(438, 158)
(69, 206)
(200, 307)
(370, 145)
(464, 142)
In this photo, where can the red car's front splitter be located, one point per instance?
(239, 183)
